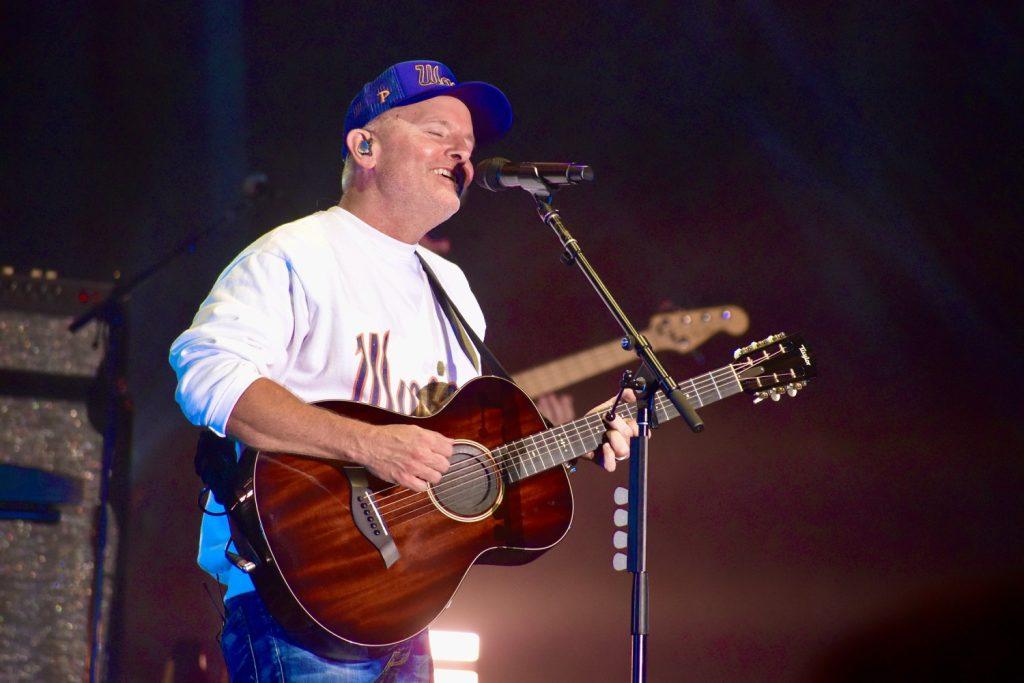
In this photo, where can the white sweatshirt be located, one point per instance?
(330, 308)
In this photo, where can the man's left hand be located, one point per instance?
(617, 435)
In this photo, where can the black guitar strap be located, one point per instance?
(468, 339)
(465, 333)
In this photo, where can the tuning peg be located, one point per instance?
(755, 345)
(620, 539)
(758, 399)
(621, 517)
(744, 349)
(776, 395)
(791, 390)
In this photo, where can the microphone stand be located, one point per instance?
(110, 312)
(652, 377)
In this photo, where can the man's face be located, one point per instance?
(423, 162)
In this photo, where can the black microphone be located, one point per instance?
(499, 174)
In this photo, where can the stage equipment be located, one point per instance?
(109, 312)
(649, 378)
(500, 174)
(340, 555)
(50, 469)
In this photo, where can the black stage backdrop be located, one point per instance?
(845, 171)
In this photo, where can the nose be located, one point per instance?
(459, 147)
(459, 153)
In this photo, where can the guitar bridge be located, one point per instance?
(367, 517)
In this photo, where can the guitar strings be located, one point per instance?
(593, 430)
(452, 494)
(402, 514)
(514, 449)
(591, 424)
(507, 457)
(549, 437)
(661, 404)
(414, 510)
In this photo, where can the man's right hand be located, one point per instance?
(407, 455)
(269, 417)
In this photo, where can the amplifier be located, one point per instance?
(50, 458)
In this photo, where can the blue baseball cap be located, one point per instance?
(418, 80)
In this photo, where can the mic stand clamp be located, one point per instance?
(638, 383)
(627, 382)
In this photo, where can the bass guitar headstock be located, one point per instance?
(777, 365)
(683, 331)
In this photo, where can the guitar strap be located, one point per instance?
(466, 335)
(217, 465)
(468, 339)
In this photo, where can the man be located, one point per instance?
(337, 305)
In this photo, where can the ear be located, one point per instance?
(352, 140)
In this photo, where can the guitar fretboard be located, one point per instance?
(553, 447)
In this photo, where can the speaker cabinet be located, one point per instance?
(50, 462)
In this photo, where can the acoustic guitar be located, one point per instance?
(341, 556)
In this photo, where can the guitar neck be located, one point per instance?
(576, 367)
(545, 450)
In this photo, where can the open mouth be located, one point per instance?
(457, 176)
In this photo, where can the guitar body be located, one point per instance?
(326, 582)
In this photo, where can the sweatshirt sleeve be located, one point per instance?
(241, 333)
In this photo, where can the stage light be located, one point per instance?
(455, 676)
(454, 646)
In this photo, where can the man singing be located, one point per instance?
(336, 305)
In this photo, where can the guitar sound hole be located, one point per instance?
(472, 484)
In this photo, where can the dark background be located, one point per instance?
(845, 171)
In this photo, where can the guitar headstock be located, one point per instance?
(777, 365)
(684, 331)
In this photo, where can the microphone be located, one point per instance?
(499, 174)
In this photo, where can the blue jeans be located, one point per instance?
(257, 650)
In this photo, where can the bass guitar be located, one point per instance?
(340, 556)
(682, 331)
